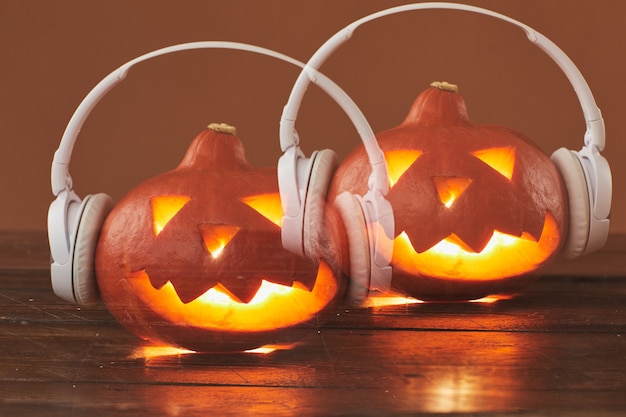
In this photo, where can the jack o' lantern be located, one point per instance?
(193, 257)
(477, 208)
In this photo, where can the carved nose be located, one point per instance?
(217, 236)
(450, 188)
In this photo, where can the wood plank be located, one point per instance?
(610, 261)
(469, 361)
(391, 372)
(557, 348)
(24, 250)
(550, 304)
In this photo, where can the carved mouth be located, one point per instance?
(504, 256)
(274, 306)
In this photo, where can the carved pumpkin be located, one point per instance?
(193, 257)
(477, 208)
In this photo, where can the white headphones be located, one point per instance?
(74, 224)
(369, 219)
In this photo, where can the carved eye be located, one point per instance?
(398, 161)
(500, 159)
(267, 205)
(164, 208)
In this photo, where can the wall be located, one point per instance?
(54, 52)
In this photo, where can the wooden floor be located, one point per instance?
(559, 348)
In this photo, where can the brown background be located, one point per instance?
(54, 52)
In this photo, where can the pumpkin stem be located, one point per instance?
(223, 128)
(446, 86)
(216, 147)
(439, 105)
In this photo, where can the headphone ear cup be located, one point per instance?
(95, 211)
(324, 166)
(353, 217)
(578, 200)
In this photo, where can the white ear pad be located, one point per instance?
(351, 212)
(96, 209)
(322, 171)
(579, 206)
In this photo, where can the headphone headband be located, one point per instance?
(65, 211)
(594, 136)
(61, 180)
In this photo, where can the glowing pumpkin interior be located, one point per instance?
(451, 258)
(273, 306)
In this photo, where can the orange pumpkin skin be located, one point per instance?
(190, 277)
(454, 185)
